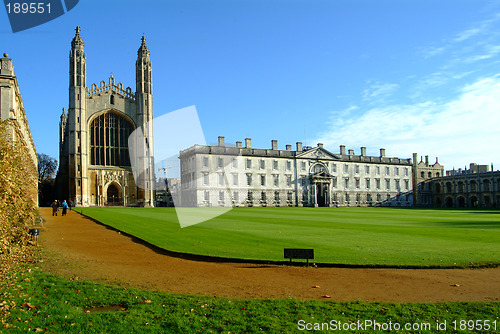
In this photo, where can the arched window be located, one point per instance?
(318, 168)
(473, 186)
(109, 134)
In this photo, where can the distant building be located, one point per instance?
(246, 176)
(95, 167)
(422, 172)
(476, 187)
(164, 189)
(12, 110)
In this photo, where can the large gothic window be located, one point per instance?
(109, 134)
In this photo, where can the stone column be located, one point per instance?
(329, 186)
(315, 194)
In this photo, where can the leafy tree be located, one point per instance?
(18, 190)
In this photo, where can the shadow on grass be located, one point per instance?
(469, 225)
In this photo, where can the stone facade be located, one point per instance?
(476, 187)
(245, 176)
(423, 171)
(95, 167)
(12, 108)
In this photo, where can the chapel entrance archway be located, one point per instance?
(114, 195)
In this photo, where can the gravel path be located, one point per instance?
(79, 247)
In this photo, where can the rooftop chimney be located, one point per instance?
(382, 152)
(427, 160)
(274, 144)
(320, 145)
(342, 149)
(351, 152)
(221, 141)
(363, 150)
(6, 67)
(299, 146)
(248, 142)
(288, 147)
(238, 144)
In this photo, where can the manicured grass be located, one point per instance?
(34, 301)
(351, 236)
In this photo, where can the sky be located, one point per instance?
(409, 76)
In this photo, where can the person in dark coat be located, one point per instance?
(55, 207)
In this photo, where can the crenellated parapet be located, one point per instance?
(111, 86)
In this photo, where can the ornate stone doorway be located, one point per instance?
(320, 181)
(113, 195)
(322, 190)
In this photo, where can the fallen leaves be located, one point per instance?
(30, 306)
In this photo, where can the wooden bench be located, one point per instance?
(299, 253)
(34, 232)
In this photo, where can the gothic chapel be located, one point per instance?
(95, 167)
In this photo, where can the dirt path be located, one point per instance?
(85, 249)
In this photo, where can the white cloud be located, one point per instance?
(433, 51)
(379, 91)
(477, 39)
(458, 131)
(464, 35)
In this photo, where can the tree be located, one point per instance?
(18, 180)
(47, 167)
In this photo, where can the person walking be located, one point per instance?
(64, 208)
(55, 207)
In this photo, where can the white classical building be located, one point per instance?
(226, 175)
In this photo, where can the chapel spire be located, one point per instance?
(143, 51)
(143, 69)
(77, 42)
(77, 62)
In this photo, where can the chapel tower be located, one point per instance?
(95, 162)
(76, 113)
(144, 100)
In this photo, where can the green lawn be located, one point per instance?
(34, 301)
(351, 236)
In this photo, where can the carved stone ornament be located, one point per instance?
(112, 177)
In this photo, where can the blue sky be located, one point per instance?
(410, 76)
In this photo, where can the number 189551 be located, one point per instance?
(474, 325)
(25, 8)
